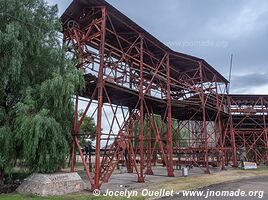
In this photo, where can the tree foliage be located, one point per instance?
(37, 84)
(87, 130)
(179, 137)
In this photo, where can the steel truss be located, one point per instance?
(248, 129)
(170, 104)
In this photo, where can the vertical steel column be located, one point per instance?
(254, 146)
(266, 144)
(220, 130)
(244, 146)
(100, 86)
(222, 153)
(265, 132)
(74, 132)
(232, 133)
(149, 170)
(169, 125)
(204, 119)
(130, 143)
(141, 99)
(131, 138)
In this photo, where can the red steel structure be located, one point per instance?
(170, 104)
(248, 129)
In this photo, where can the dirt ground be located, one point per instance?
(196, 180)
(254, 188)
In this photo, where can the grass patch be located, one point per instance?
(181, 183)
(83, 196)
(204, 180)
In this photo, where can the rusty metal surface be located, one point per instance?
(249, 116)
(128, 29)
(127, 69)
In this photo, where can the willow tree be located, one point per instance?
(37, 84)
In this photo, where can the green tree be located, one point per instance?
(87, 130)
(37, 83)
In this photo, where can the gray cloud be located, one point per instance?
(241, 25)
(247, 82)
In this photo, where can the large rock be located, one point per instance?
(52, 184)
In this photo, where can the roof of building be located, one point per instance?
(124, 24)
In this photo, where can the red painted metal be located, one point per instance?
(100, 86)
(170, 104)
(169, 123)
(248, 115)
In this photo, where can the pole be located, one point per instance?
(100, 86)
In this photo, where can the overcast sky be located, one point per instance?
(210, 29)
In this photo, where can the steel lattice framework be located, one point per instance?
(171, 104)
(248, 128)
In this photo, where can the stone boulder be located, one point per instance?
(52, 184)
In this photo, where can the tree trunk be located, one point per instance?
(1, 176)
